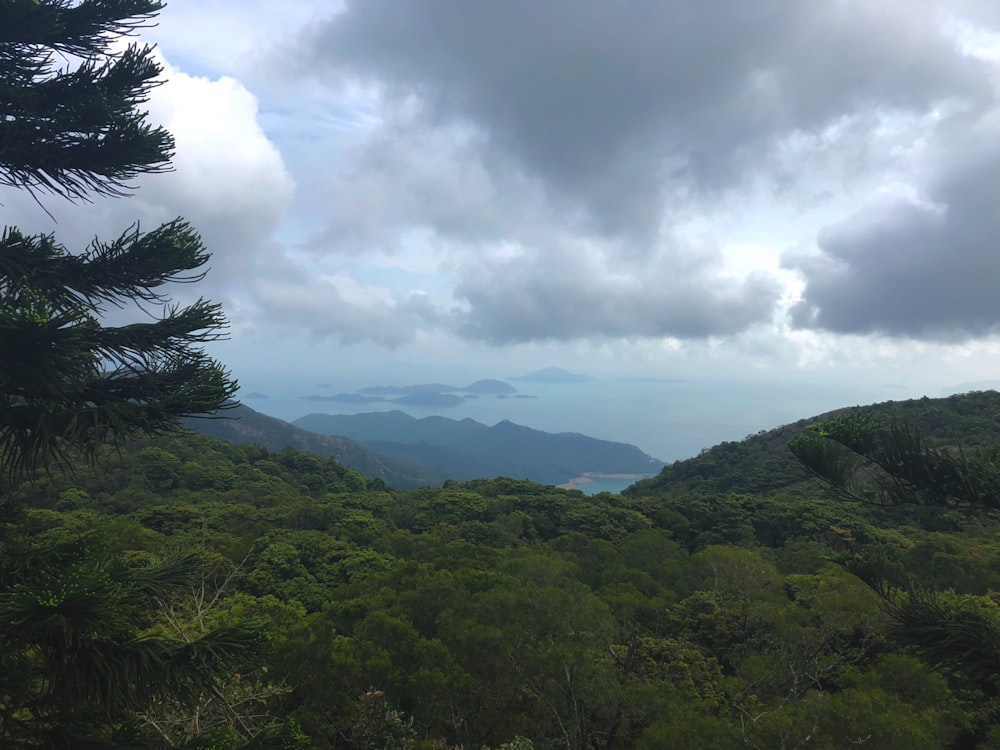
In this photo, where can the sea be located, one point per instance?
(597, 485)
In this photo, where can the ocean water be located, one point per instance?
(604, 484)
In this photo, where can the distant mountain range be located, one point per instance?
(407, 453)
(467, 449)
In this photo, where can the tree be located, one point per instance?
(79, 664)
(889, 462)
(76, 669)
(69, 382)
(75, 131)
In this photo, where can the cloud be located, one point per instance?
(617, 107)
(510, 172)
(920, 262)
(229, 179)
(399, 180)
(577, 291)
(341, 308)
(220, 36)
(544, 160)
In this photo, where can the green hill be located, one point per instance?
(497, 613)
(763, 464)
(244, 425)
(396, 426)
(466, 449)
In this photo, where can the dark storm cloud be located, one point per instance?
(924, 266)
(613, 104)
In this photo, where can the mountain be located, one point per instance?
(763, 464)
(466, 449)
(554, 375)
(489, 387)
(394, 426)
(244, 425)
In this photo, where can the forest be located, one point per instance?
(502, 613)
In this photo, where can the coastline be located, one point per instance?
(590, 476)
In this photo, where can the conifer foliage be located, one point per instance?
(889, 462)
(82, 664)
(67, 381)
(76, 130)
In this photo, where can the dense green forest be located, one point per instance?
(502, 613)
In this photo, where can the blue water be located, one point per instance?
(598, 485)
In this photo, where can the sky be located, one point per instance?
(794, 205)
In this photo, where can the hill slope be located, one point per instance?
(244, 425)
(466, 449)
(762, 463)
(395, 426)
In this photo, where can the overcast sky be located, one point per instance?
(769, 189)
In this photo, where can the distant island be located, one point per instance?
(430, 400)
(554, 375)
(427, 395)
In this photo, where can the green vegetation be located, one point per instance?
(244, 425)
(102, 643)
(502, 613)
(762, 463)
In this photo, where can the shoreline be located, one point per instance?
(589, 476)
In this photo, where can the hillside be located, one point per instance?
(661, 620)
(763, 464)
(466, 449)
(244, 425)
(396, 426)
(510, 590)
